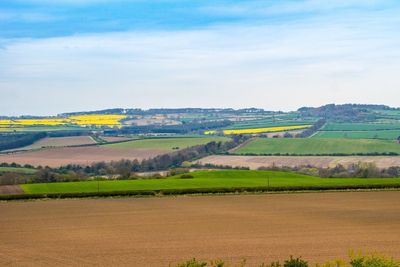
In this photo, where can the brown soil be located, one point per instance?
(10, 190)
(254, 162)
(56, 157)
(60, 142)
(157, 231)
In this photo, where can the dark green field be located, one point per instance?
(318, 146)
(208, 179)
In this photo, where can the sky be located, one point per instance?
(75, 55)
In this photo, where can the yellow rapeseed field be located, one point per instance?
(97, 120)
(261, 130)
(82, 120)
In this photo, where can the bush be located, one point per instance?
(295, 262)
(186, 176)
(192, 263)
(356, 260)
(372, 260)
(177, 171)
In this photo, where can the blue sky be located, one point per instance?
(68, 55)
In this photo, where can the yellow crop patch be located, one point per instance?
(261, 130)
(98, 120)
(83, 120)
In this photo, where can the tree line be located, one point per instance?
(12, 140)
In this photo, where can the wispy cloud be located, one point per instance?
(346, 56)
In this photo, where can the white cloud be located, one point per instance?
(279, 66)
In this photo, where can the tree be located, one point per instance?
(9, 178)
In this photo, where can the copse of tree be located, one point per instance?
(343, 113)
(16, 140)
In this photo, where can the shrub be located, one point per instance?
(187, 176)
(295, 262)
(192, 263)
(371, 260)
(177, 171)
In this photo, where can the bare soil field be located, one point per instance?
(159, 231)
(59, 142)
(254, 162)
(55, 157)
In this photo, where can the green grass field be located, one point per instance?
(384, 134)
(207, 179)
(360, 126)
(168, 143)
(267, 123)
(314, 146)
(17, 170)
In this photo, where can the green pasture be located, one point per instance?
(360, 126)
(384, 134)
(168, 143)
(321, 146)
(207, 179)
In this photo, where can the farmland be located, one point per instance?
(6, 129)
(261, 130)
(318, 146)
(60, 142)
(60, 123)
(17, 170)
(360, 126)
(159, 231)
(255, 162)
(166, 143)
(389, 131)
(378, 134)
(266, 123)
(139, 149)
(207, 179)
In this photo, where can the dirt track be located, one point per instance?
(255, 162)
(55, 157)
(157, 231)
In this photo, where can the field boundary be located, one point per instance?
(202, 191)
(241, 145)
